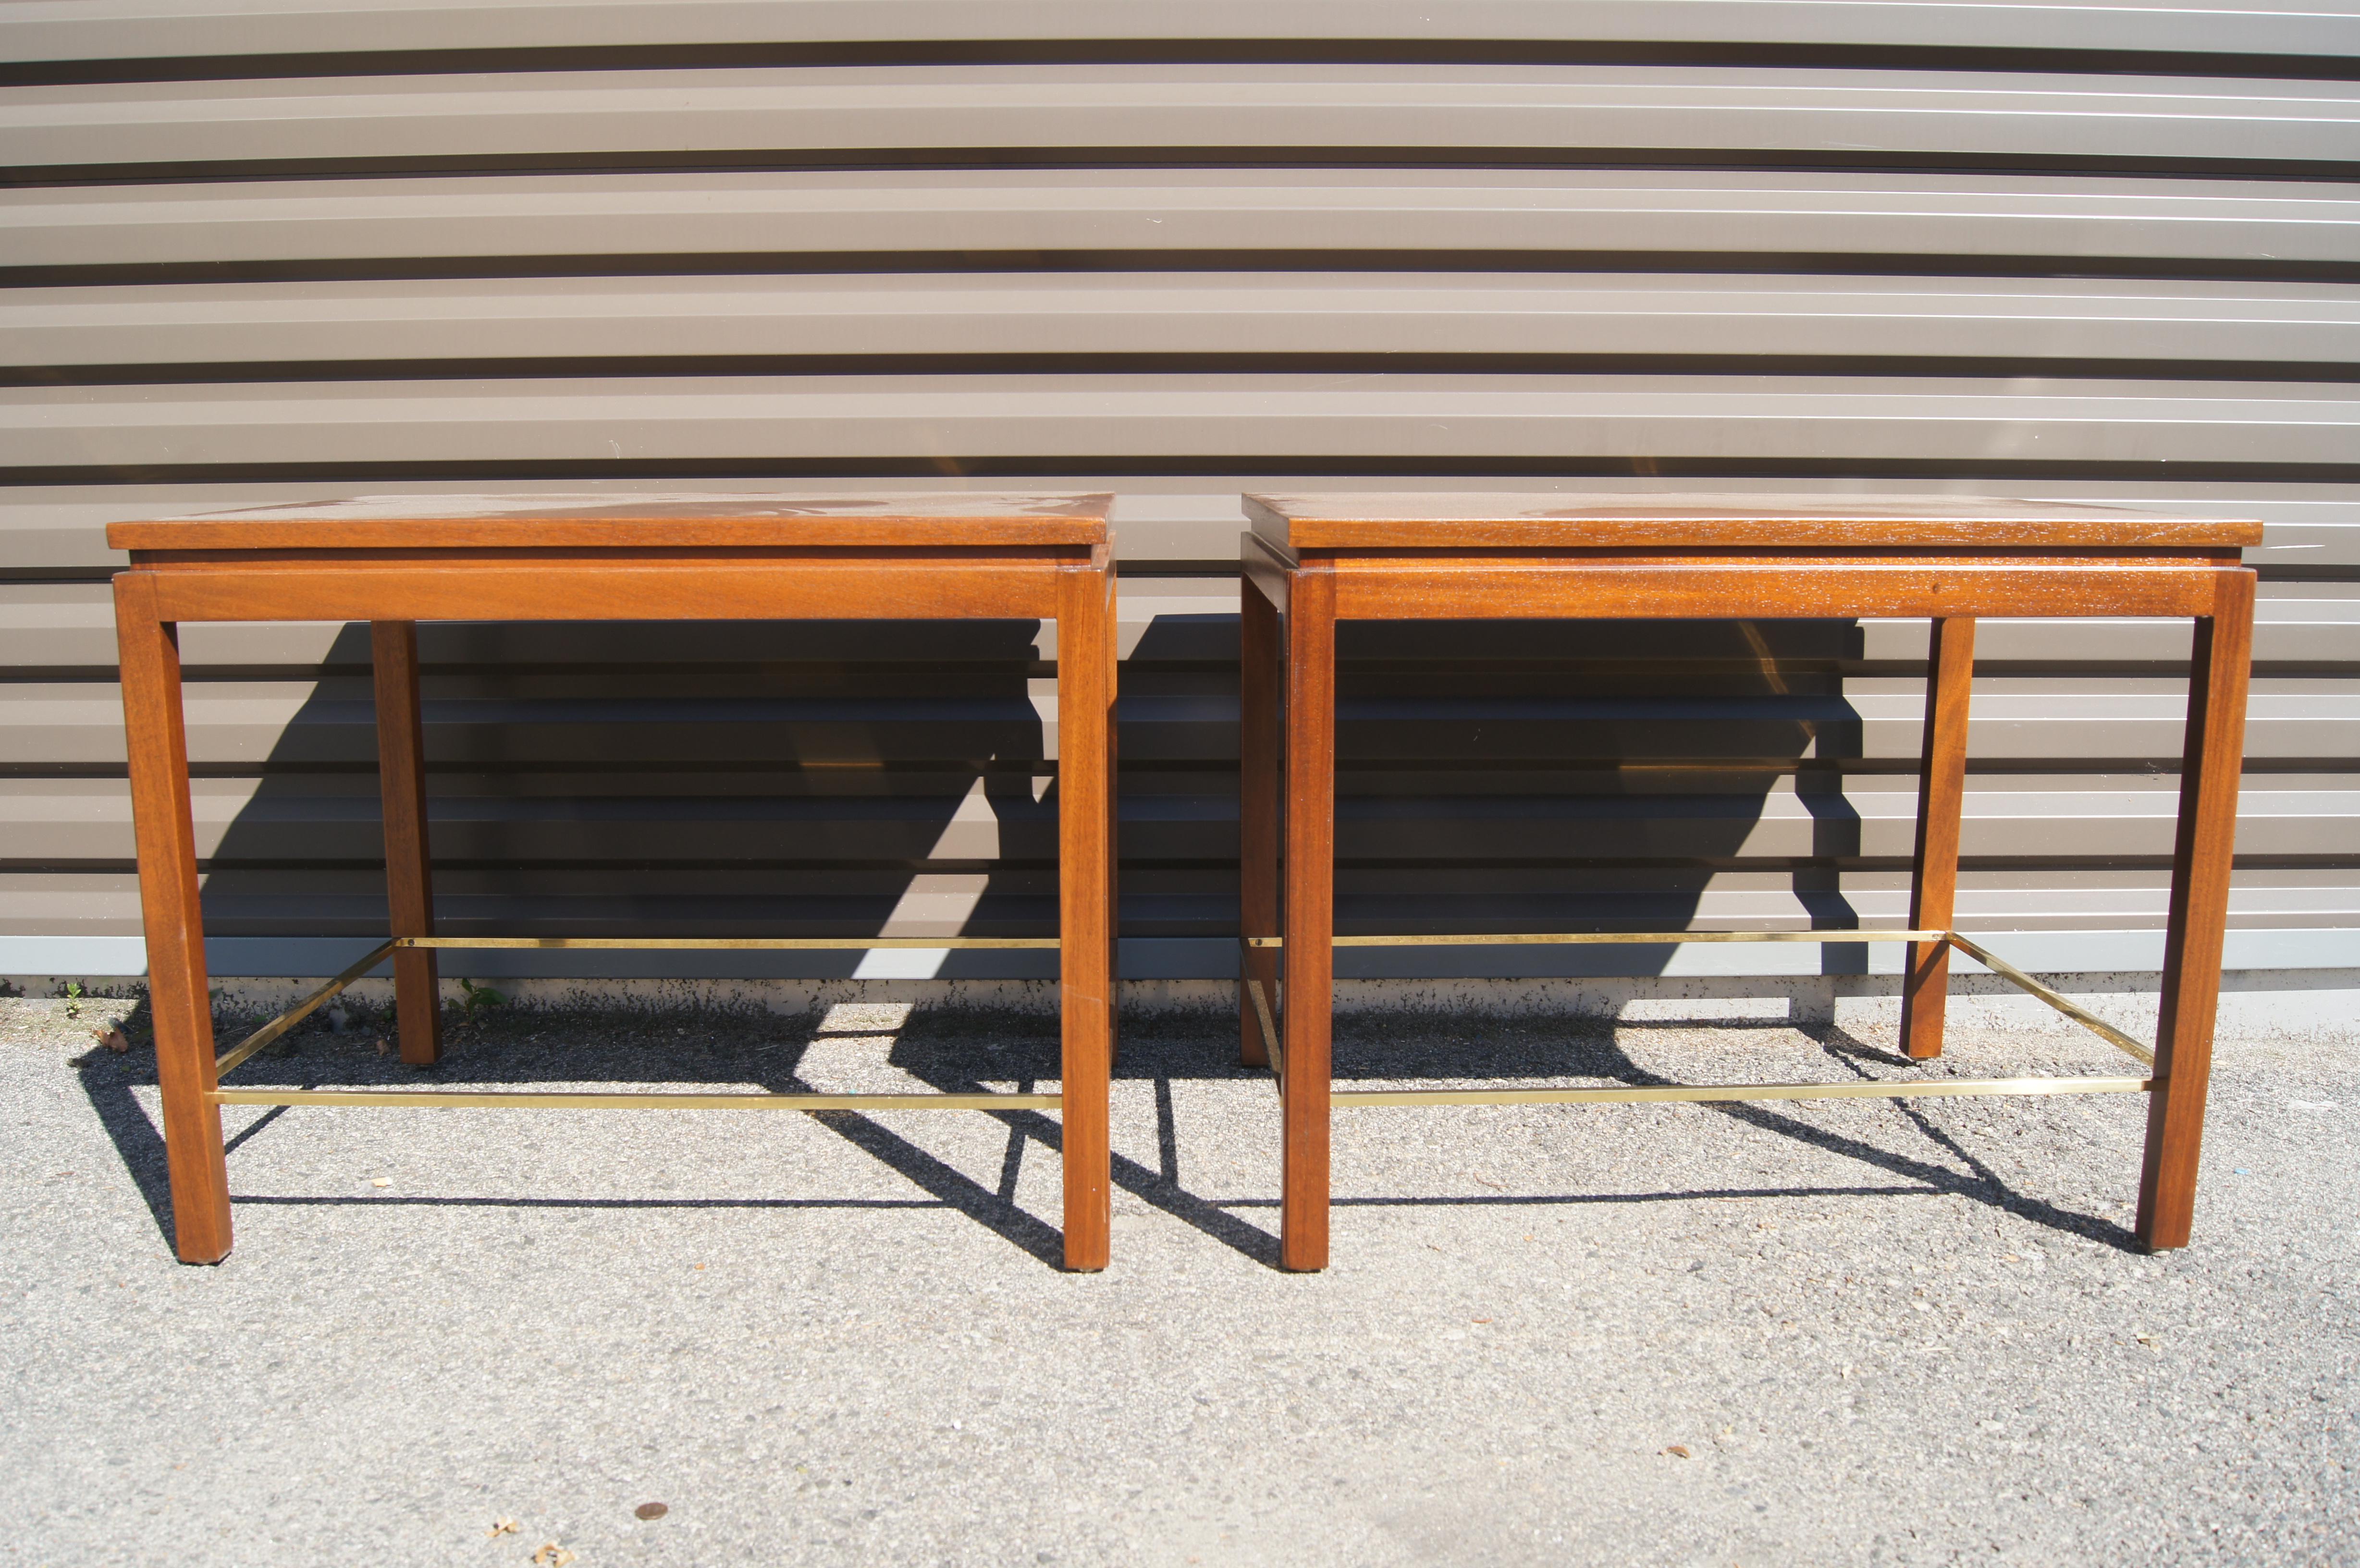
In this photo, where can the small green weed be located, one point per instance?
(475, 998)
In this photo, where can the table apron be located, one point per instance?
(757, 589)
(1509, 590)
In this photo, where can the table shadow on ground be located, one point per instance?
(965, 1052)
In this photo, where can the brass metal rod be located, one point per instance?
(2079, 1015)
(297, 1013)
(1694, 1093)
(1608, 939)
(726, 943)
(507, 1100)
(1273, 1043)
(1262, 1020)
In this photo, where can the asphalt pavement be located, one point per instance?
(1900, 1332)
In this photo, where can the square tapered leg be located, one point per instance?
(1310, 918)
(178, 999)
(2199, 920)
(1086, 880)
(1941, 801)
(409, 867)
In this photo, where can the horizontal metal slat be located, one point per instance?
(553, 901)
(1100, 318)
(63, 820)
(483, 118)
(107, 30)
(251, 723)
(547, 222)
(2044, 725)
(2051, 899)
(1867, 723)
(229, 723)
(283, 820)
(2088, 825)
(1147, 419)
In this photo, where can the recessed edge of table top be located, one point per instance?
(1681, 521)
(631, 522)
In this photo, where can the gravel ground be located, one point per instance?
(1904, 1332)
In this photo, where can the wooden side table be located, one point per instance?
(394, 561)
(1313, 561)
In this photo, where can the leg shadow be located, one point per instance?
(950, 1187)
(1850, 1051)
(1984, 1185)
(939, 1052)
(1406, 1051)
(107, 1082)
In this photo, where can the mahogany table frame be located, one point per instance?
(1312, 561)
(600, 558)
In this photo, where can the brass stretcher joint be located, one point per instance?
(1698, 1093)
(1271, 1045)
(571, 1100)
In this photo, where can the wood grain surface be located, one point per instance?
(622, 522)
(497, 586)
(1706, 521)
(1767, 585)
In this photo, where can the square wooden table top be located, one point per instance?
(634, 522)
(1706, 521)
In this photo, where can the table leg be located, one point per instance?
(1113, 662)
(1261, 668)
(1086, 853)
(1942, 797)
(2199, 920)
(1310, 909)
(409, 866)
(179, 1003)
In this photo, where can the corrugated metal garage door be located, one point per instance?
(264, 252)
